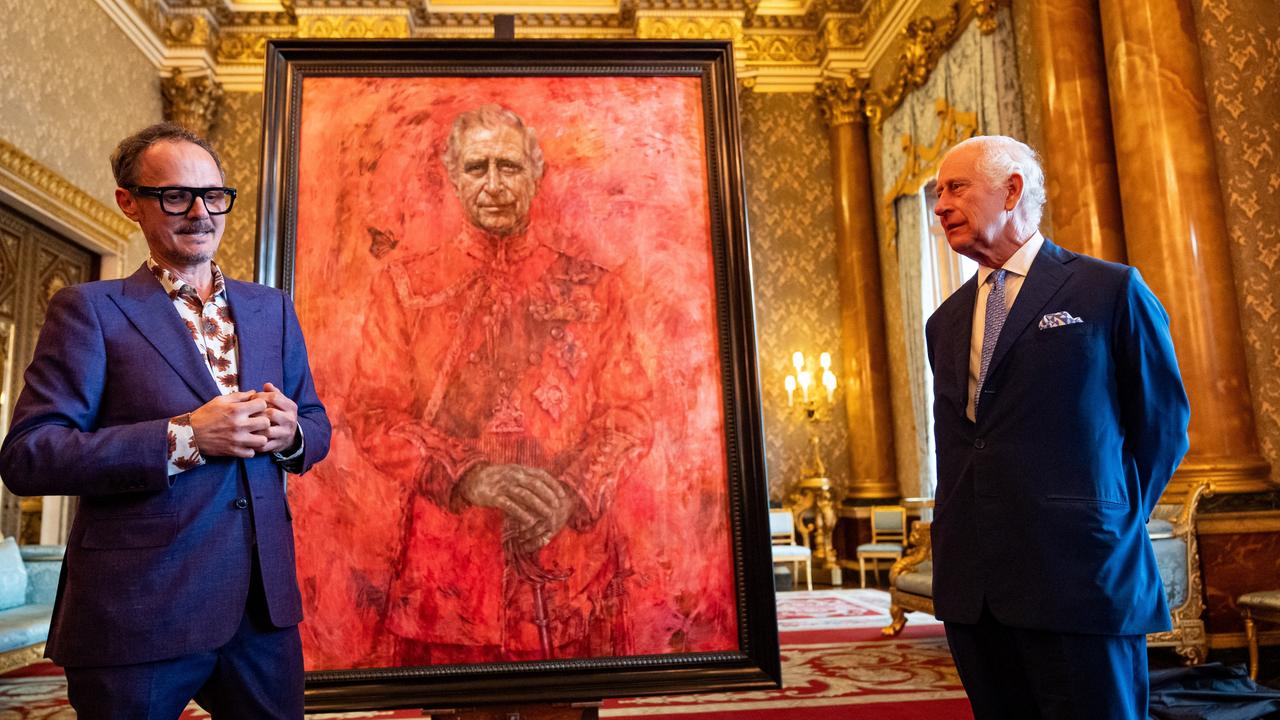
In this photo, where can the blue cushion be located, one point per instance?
(1262, 600)
(1171, 557)
(44, 565)
(917, 582)
(13, 576)
(42, 552)
(789, 553)
(24, 626)
(1156, 526)
(880, 547)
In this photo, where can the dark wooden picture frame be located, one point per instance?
(753, 661)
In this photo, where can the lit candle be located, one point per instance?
(829, 380)
(797, 359)
(791, 389)
(806, 379)
(825, 361)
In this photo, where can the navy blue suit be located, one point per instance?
(1042, 501)
(157, 566)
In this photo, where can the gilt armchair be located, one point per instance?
(1172, 529)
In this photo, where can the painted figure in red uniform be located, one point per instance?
(519, 406)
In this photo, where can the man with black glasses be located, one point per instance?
(172, 403)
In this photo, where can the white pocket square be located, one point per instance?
(1058, 319)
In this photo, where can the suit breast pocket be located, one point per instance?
(1075, 332)
(133, 531)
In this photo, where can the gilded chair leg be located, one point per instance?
(808, 573)
(899, 621)
(1251, 634)
(862, 571)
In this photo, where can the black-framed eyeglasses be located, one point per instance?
(177, 200)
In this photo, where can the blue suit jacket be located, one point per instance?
(157, 566)
(1042, 502)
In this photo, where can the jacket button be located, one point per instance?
(242, 503)
(979, 443)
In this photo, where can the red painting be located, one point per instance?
(507, 288)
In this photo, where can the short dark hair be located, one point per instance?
(124, 161)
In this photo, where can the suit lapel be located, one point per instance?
(1047, 274)
(249, 338)
(963, 319)
(149, 309)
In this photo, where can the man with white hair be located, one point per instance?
(1060, 416)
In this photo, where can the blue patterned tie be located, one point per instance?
(996, 314)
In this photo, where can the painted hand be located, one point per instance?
(536, 505)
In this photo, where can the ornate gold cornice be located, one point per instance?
(37, 185)
(842, 100)
(353, 26)
(689, 28)
(782, 45)
(778, 49)
(244, 47)
(191, 101)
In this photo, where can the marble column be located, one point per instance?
(1176, 230)
(1080, 170)
(864, 371)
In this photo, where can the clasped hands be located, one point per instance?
(536, 505)
(242, 424)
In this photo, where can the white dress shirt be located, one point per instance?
(1017, 267)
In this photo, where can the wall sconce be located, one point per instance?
(811, 497)
(810, 404)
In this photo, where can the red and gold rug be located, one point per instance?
(835, 664)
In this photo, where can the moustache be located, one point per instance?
(195, 228)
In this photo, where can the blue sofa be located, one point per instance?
(28, 585)
(1173, 536)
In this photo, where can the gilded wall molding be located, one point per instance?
(192, 101)
(985, 13)
(924, 40)
(36, 185)
(923, 159)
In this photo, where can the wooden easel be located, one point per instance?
(555, 711)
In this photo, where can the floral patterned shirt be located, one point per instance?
(214, 334)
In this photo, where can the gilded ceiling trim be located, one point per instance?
(922, 160)
(781, 45)
(28, 179)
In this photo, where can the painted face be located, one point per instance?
(494, 179)
(974, 215)
(179, 241)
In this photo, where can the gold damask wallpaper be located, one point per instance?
(238, 138)
(788, 174)
(71, 86)
(1240, 50)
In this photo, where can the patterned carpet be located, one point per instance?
(835, 664)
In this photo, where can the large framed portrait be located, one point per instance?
(522, 272)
